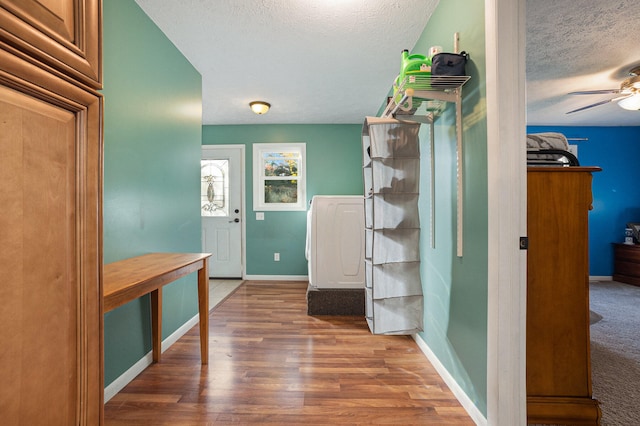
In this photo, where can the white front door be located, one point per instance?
(222, 208)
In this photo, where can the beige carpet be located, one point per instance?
(615, 351)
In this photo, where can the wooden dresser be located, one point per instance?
(626, 267)
(558, 345)
(51, 369)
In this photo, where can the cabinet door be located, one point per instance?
(65, 34)
(50, 248)
(558, 283)
(558, 343)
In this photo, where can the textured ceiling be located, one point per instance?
(576, 45)
(332, 61)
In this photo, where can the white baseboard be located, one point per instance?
(276, 278)
(457, 391)
(125, 378)
(601, 278)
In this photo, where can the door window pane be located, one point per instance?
(214, 187)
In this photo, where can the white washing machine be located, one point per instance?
(335, 241)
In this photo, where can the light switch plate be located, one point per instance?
(259, 215)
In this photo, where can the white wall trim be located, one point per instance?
(475, 414)
(176, 335)
(125, 378)
(276, 277)
(507, 207)
(601, 278)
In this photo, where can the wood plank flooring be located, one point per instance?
(272, 364)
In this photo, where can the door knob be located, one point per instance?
(236, 220)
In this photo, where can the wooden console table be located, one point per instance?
(129, 279)
(626, 267)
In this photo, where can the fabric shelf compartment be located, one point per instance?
(392, 211)
(367, 178)
(366, 151)
(368, 212)
(390, 138)
(395, 175)
(394, 279)
(399, 315)
(395, 245)
(368, 303)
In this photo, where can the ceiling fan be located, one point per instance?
(629, 92)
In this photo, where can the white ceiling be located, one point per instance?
(575, 45)
(333, 61)
(330, 61)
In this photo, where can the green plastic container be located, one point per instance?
(414, 65)
(411, 65)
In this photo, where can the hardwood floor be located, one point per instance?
(272, 364)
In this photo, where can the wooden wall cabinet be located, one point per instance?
(51, 362)
(558, 342)
(65, 35)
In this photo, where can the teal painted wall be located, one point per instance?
(152, 138)
(456, 289)
(334, 167)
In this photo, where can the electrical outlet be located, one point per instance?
(276, 257)
(259, 215)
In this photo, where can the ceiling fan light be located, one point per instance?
(259, 107)
(631, 103)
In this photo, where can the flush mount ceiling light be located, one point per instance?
(631, 88)
(259, 107)
(631, 103)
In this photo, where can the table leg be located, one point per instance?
(203, 311)
(156, 323)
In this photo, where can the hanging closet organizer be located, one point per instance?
(393, 290)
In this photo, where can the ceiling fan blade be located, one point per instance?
(590, 106)
(619, 98)
(595, 92)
